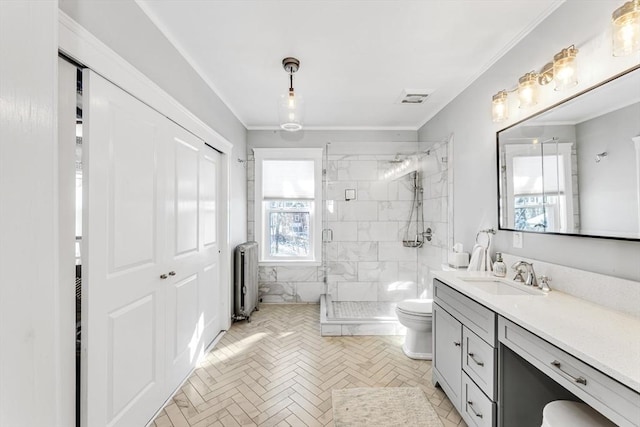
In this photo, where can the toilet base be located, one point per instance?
(417, 344)
(417, 356)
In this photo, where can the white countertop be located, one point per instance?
(606, 339)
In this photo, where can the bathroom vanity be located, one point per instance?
(502, 351)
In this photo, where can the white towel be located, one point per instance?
(480, 259)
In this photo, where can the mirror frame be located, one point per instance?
(557, 104)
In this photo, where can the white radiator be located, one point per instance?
(246, 281)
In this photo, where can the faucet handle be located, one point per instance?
(520, 267)
(544, 283)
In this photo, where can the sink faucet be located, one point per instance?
(523, 267)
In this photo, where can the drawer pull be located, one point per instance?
(579, 380)
(163, 276)
(456, 343)
(477, 414)
(478, 362)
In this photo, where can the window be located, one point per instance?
(540, 188)
(288, 204)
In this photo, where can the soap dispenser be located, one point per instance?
(499, 267)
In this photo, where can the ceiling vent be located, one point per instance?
(412, 96)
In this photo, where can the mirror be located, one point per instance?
(575, 167)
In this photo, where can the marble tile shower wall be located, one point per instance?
(366, 260)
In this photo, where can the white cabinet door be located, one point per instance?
(123, 307)
(447, 354)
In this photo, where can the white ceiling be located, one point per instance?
(356, 56)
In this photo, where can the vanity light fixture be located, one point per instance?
(290, 106)
(626, 28)
(528, 90)
(563, 70)
(499, 107)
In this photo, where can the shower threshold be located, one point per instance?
(348, 318)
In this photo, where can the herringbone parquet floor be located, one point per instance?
(278, 371)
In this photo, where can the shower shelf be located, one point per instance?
(412, 244)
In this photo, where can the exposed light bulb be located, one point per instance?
(527, 90)
(499, 109)
(565, 72)
(626, 28)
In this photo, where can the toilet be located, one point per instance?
(415, 315)
(560, 413)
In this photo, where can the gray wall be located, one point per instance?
(125, 28)
(474, 160)
(609, 199)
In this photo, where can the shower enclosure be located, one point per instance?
(385, 226)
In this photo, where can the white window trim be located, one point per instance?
(315, 233)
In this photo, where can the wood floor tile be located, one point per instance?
(278, 371)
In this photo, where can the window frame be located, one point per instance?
(315, 212)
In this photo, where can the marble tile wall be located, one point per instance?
(366, 260)
(437, 181)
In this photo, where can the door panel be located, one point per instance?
(132, 187)
(187, 257)
(187, 162)
(447, 352)
(131, 331)
(208, 197)
(123, 297)
(187, 328)
(211, 300)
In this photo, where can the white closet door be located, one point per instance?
(123, 307)
(185, 320)
(212, 300)
(192, 242)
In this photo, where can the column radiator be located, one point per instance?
(246, 281)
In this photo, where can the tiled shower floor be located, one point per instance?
(358, 318)
(364, 310)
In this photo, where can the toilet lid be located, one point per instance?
(568, 413)
(419, 306)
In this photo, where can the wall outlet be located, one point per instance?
(517, 240)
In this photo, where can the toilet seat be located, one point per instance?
(420, 307)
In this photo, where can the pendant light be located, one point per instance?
(290, 107)
(626, 28)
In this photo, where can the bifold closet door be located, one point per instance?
(151, 277)
(123, 307)
(192, 251)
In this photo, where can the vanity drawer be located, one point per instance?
(477, 409)
(474, 316)
(614, 400)
(479, 362)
